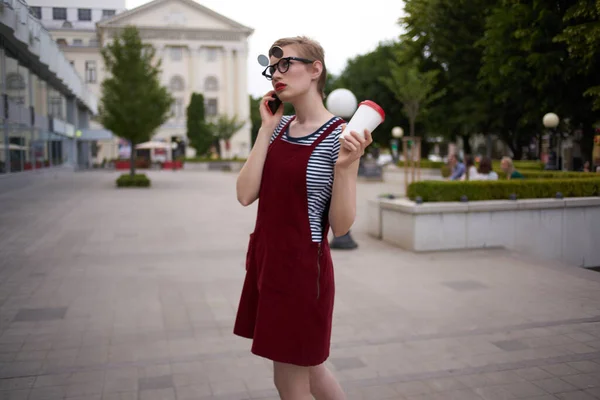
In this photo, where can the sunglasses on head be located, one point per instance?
(282, 65)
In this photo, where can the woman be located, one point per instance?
(304, 176)
(485, 172)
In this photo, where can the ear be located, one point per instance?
(317, 70)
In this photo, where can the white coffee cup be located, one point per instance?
(369, 115)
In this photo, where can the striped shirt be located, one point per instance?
(319, 174)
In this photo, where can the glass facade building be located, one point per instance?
(43, 102)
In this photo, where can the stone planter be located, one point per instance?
(560, 229)
(234, 166)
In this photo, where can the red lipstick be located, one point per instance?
(280, 86)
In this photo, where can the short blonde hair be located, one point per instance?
(508, 160)
(311, 49)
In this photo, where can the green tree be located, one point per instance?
(198, 131)
(224, 127)
(255, 119)
(582, 37)
(441, 34)
(413, 88)
(133, 102)
(530, 72)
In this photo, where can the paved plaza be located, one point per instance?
(131, 294)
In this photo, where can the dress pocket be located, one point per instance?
(250, 251)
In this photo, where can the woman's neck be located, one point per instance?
(310, 110)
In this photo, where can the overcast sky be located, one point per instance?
(344, 31)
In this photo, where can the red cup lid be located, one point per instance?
(375, 107)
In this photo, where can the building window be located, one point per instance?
(211, 84)
(177, 84)
(108, 13)
(72, 63)
(211, 54)
(67, 24)
(176, 53)
(90, 71)
(55, 106)
(15, 81)
(211, 107)
(59, 13)
(94, 42)
(61, 42)
(84, 14)
(36, 12)
(177, 108)
(77, 42)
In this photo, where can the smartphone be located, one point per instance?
(274, 104)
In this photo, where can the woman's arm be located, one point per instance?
(342, 211)
(248, 181)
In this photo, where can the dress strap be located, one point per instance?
(327, 131)
(284, 127)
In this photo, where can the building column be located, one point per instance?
(199, 53)
(242, 99)
(3, 88)
(72, 119)
(227, 82)
(233, 82)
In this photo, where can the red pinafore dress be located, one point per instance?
(286, 305)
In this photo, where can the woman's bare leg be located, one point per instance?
(323, 384)
(292, 381)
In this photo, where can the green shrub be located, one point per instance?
(425, 163)
(533, 174)
(446, 171)
(502, 190)
(138, 180)
(523, 164)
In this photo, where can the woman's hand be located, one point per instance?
(270, 120)
(352, 148)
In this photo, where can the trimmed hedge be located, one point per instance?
(138, 180)
(532, 174)
(502, 190)
(523, 165)
(425, 163)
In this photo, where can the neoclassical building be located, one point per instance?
(201, 51)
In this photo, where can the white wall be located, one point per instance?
(567, 230)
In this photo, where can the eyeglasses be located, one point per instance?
(282, 66)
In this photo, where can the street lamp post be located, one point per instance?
(550, 122)
(174, 146)
(397, 134)
(343, 103)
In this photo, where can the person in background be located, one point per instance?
(457, 168)
(485, 172)
(470, 169)
(586, 166)
(509, 169)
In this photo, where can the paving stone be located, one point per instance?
(584, 381)
(560, 369)
(511, 345)
(343, 363)
(555, 385)
(579, 395)
(463, 286)
(40, 314)
(155, 382)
